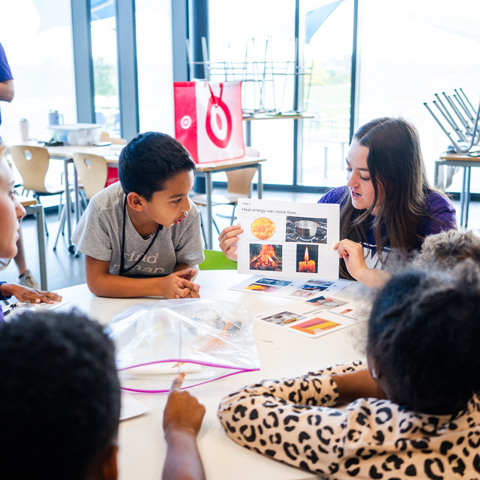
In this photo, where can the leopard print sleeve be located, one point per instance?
(288, 419)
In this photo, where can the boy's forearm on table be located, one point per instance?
(109, 285)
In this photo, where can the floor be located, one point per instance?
(64, 270)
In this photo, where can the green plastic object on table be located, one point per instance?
(217, 261)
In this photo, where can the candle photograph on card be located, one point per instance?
(307, 258)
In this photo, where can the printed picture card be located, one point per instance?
(288, 239)
(297, 288)
(313, 318)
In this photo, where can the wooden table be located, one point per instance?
(467, 162)
(282, 354)
(207, 169)
(32, 207)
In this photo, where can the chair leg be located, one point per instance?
(61, 227)
(203, 230)
(37, 197)
(216, 226)
(233, 214)
(60, 208)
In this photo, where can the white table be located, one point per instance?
(282, 354)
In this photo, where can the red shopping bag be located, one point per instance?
(112, 176)
(208, 120)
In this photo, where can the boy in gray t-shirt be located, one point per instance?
(141, 236)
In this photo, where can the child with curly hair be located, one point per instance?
(414, 412)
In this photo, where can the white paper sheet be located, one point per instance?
(130, 407)
(313, 319)
(295, 288)
(286, 239)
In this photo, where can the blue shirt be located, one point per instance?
(5, 72)
(440, 217)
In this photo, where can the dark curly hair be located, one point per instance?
(150, 160)
(59, 395)
(446, 249)
(423, 335)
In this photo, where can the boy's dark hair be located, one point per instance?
(423, 336)
(149, 160)
(59, 395)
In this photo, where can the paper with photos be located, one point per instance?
(300, 289)
(315, 319)
(287, 239)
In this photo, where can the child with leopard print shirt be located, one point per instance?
(414, 411)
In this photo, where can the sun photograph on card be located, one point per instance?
(263, 228)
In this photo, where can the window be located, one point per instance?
(328, 37)
(244, 41)
(154, 59)
(40, 53)
(411, 50)
(104, 54)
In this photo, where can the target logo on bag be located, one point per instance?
(219, 122)
(186, 122)
(208, 120)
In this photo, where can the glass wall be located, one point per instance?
(40, 53)
(328, 37)
(255, 42)
(411, 50)
(104, 54)
(154, 59)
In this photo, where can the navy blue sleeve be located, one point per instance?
(334, 195)
(5, 72)
(441, 216)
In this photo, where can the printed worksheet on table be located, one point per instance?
(316, 317)
(294, 288)
(286, 239)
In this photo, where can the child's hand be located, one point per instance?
(228, 241)
(174, 286)
(25, 294)
(182, 412)
(187, 274)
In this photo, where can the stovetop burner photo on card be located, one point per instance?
(306, 230)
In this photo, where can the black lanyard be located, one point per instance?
(122, 268)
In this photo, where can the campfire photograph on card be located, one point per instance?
(258, 287)
(283, 318)
(266, 257)
(327, 302)
(307, 259)
(306, 230)
(315, 326)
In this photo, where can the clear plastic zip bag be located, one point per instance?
(206, 339)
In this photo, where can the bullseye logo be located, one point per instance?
(219, 122)
(185, 122)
